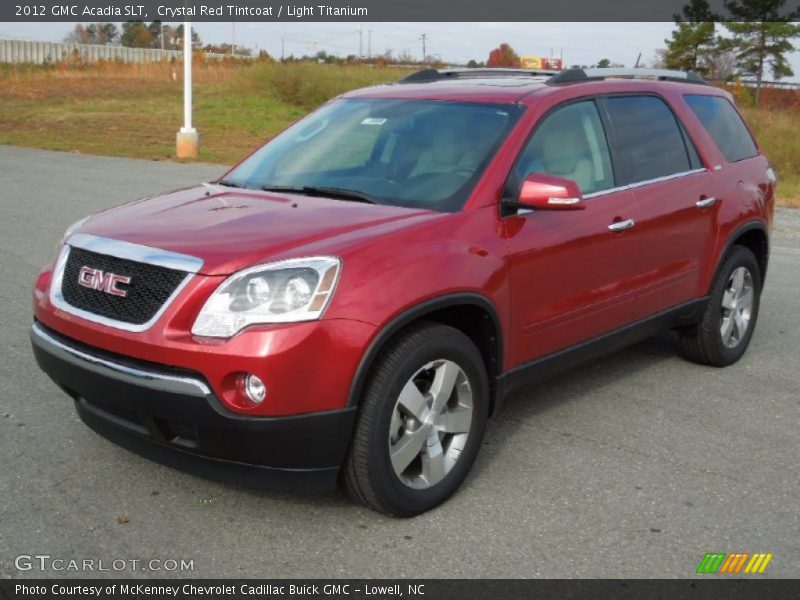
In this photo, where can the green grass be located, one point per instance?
(778, 133)
(135, 110)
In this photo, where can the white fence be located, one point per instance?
(39, 53)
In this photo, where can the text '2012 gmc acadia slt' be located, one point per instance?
(351, 302)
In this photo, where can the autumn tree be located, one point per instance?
(504, 56)
(721, 64)
(78, 35)
(103, 33)
(95, 33)
(761, 37)
(136, 34)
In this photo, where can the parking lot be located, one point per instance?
(635, 465)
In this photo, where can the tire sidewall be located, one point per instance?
(450, 346)
(739, 257)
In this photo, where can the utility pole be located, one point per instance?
(361, 40)
(369, 43)
(233, 40)
(283, 42)
(187, 139)
(424, 51)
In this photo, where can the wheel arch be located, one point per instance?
(754, 236)
(471, 313)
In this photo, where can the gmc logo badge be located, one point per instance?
(95, 279)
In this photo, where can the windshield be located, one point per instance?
(414, 153)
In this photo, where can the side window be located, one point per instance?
(694, 157)
(724, 125)
(648, 137)
(570, 143)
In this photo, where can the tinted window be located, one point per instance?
(647, 137)
(694, 157)
(570, 143)
(416, 153)
(725, 125)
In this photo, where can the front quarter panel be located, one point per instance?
(460, 252)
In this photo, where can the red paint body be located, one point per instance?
(554, 278)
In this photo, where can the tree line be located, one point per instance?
(757, 42)
(758, 37)
(139, 34)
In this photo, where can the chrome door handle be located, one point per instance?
(622, 225)
(705, 202)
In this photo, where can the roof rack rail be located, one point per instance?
(440, 74)
(579, 75)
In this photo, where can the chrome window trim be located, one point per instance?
(638, 184)
(128, 251)
(140, 377)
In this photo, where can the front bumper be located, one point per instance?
(172, 416)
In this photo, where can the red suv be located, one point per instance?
(352, 301)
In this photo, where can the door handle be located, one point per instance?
(621, 225)
(705, 202)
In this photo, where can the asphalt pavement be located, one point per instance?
(634, 465)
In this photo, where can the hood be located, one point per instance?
(230, 229)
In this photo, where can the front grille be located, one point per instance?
(149, 288)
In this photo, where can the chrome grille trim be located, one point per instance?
(125, 251)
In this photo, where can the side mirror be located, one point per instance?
(545, 192)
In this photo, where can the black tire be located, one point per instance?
(703, 343)
(368, 475)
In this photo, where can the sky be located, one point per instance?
(580, 43)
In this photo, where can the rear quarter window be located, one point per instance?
(724, 125)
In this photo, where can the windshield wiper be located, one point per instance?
(332, 192)
(228, 183)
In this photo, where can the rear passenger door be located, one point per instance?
(676, 198)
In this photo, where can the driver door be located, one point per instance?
(573, 274)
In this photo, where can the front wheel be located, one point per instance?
(420, 423)
(722, 336)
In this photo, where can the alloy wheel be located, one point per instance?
(737, 307)
(430, 424)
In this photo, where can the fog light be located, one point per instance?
(254, 388)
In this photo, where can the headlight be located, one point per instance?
(75, 226)
(281, 292)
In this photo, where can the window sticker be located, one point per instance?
(373, 121)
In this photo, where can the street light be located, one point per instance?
(187, 139)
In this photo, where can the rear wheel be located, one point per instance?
(420, 423)
(722, 336)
